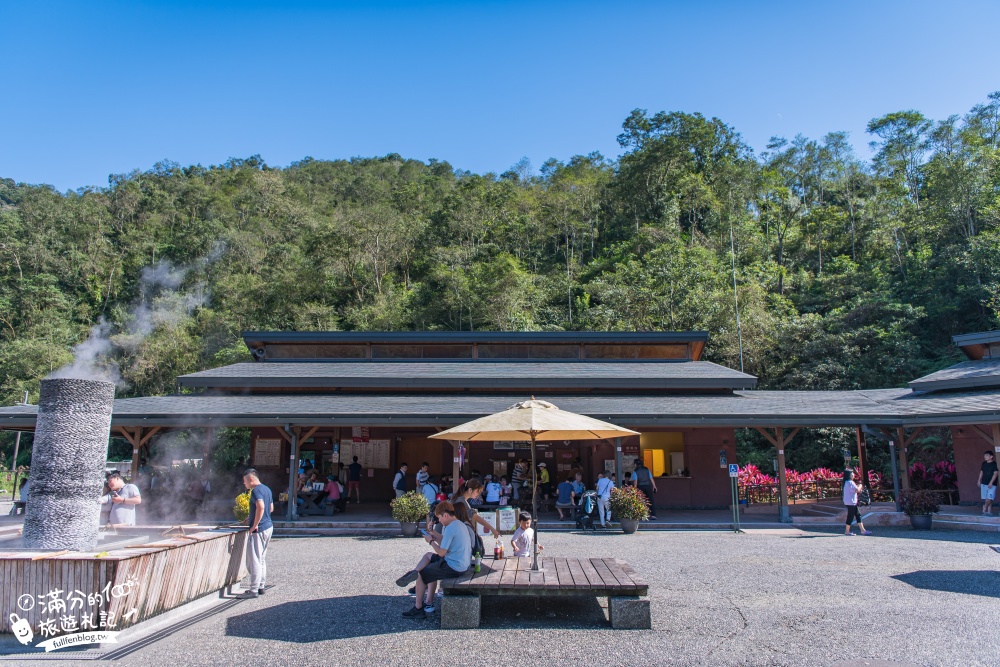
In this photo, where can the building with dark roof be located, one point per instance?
(326, 397)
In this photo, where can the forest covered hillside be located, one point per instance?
(849, 273)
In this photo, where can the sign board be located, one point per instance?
(490, 518)
(508, 520)
(267, 452)
(734, 470)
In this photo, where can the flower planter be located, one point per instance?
(629, 526)
(409, 529)
(921, 521)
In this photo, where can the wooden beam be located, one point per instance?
(770, 438)
(135, 454)
(310, 433)
(283, 433)
(986, 435)
(153, 431)
(128, 435)
(996, 436)
(790, 435)
(913, 434)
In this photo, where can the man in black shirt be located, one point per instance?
(988, 481)
(354, 481)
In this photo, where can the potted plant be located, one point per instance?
(920, 506)
(242, 507)
(629, 506)
(410, 509)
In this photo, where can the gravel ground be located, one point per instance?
(768, 597)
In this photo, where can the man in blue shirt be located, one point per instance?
(564, 500)
(259, 520)
(450, 558)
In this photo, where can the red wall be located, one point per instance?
(969, 447)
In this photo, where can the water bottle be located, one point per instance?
(479, 558)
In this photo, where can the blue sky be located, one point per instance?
(93, 88)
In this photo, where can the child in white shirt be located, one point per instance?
(523, 537)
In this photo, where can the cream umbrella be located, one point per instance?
(538, 420)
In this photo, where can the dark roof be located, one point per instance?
(338, 337)
(981, 338)
(881, 407)
(965, 375)
(486, 375)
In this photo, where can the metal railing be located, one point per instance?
(760, 494)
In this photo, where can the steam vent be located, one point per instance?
(67, 464)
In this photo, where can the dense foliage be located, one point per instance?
(848, 273)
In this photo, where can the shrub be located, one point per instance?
(242, 506)
(628, 502)
(915, 503)
(411, 507)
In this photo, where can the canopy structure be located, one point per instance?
(538, 420)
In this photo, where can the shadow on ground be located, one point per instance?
(902, 532)
(308, 621)
(973, 582)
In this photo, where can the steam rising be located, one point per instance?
(162, 303)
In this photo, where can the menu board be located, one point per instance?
(267, 453)
(381, 453)
(371, 454)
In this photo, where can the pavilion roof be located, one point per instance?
(880, 407)
(967, 375)
(577, 376)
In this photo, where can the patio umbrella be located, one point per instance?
(538, 420)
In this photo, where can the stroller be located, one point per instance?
(586, 511)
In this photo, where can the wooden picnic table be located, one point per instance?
(615, 579)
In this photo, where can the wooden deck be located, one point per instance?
(615, 579)
(599, 577)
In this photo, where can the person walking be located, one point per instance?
(259, 520)
(399, 481)
(988, 478)
(851, 503)
(645, 482)
(354, 480)
(604, 486)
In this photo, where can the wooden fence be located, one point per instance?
(64, 592)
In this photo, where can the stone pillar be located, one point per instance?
(67, 464)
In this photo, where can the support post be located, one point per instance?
(618, 461)
(895, 475)
(455, 471)
(863, 458)
(783, 515)
(293, 467)
(904, 466)
(17, 445)
(135, 454)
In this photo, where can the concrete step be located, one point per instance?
(967, 518)
(954, 524)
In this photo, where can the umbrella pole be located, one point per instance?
(534, 504)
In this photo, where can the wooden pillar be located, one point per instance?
(776, 436)
(904, 465)
(783, 514)
(455, 469)
(135, 454)
(206, 449)
(862, 457)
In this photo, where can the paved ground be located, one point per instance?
(769, 597)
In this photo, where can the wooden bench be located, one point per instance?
(628, 607)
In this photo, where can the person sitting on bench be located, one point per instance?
(452, 556)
